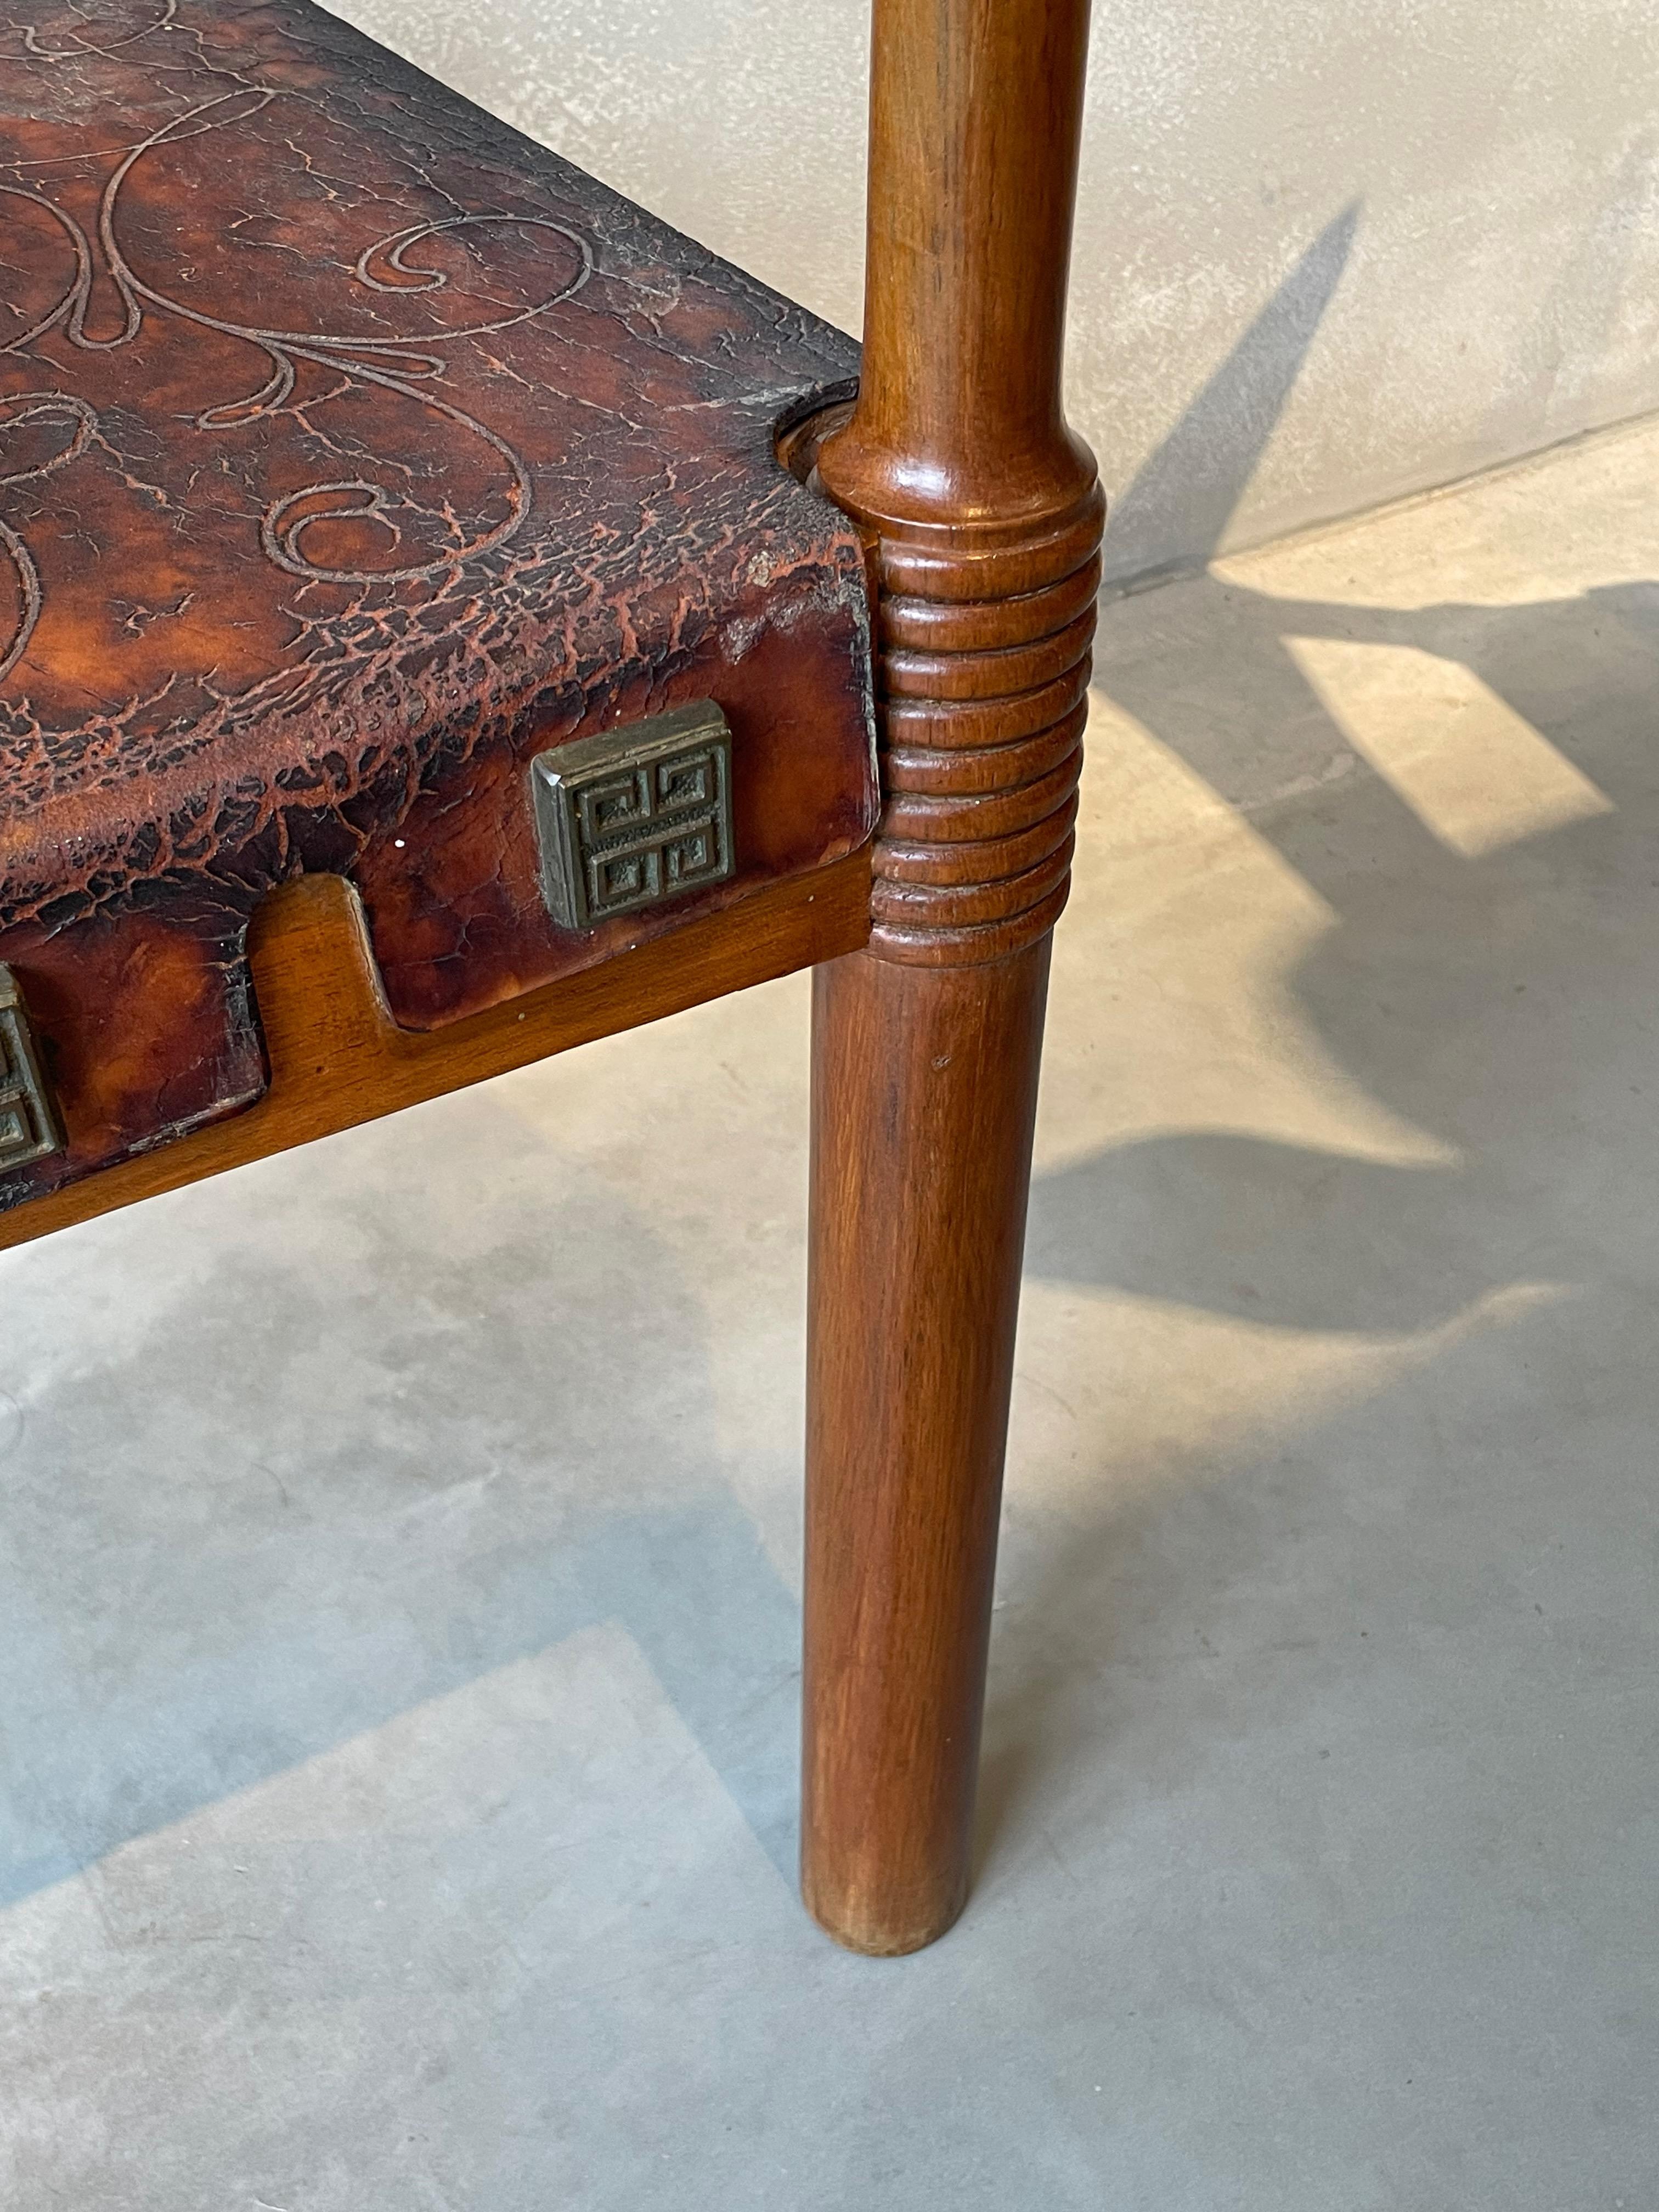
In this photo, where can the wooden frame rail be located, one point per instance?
(338, 1059)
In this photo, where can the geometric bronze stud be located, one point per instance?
(28, 1123)
(635, 816)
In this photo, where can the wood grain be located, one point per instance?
(338, 1059)
(924, 1090)
(983, 519)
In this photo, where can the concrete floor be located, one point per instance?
(399, 1541)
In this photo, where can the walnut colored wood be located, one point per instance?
(924, 1090)
(338, 1059)
(983, 519)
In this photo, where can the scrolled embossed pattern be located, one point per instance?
(395, 364)
(353, 450)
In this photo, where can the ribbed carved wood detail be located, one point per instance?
(984, 663)
(982, 518)
(985, 649)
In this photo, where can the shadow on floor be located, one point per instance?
(404, 1520)
(1501, 1005)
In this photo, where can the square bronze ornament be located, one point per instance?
(28, 1122)
(635, 816)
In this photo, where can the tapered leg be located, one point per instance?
(984, 520)
(924, 1088)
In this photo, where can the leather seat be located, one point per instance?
(445, 617)
(353, 452)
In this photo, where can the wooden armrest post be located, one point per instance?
(984, 518)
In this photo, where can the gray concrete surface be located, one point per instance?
(1326, 253)
(399, 1541)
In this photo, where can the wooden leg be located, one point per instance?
(984, 520)
(924, 1086)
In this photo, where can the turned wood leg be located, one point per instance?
(924, 1090)
(983, 522)
(926, 1050)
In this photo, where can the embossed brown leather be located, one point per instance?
(352, 450)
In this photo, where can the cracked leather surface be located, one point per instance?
(352, 449)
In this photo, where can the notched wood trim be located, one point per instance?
(338, 1059)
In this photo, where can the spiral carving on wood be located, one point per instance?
(984, 665)
(985, 641)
